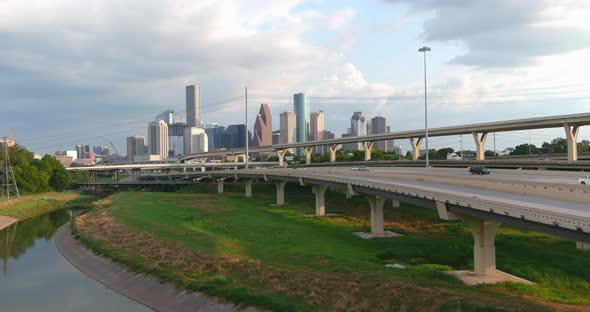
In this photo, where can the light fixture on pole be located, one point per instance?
(424, 50)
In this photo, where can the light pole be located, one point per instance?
(425, 49)
(246, 121)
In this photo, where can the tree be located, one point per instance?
(523, 149)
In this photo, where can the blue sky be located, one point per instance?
(72, 72)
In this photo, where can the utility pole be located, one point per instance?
(7, 179)
(424, 50)
(529, 142)
(461, 146)
(246, 125)
(494, 144)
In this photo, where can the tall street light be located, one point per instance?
(424, 50)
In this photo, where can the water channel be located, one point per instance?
(36, 277)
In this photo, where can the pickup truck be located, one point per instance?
(584, 181)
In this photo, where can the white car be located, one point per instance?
(359, 168)
(584, 181)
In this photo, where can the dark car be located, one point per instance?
(479, 170)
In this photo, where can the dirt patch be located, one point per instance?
(330, 290)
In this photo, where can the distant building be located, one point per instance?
(301, 108)
(65, 160)
(101, 150)
(176, 138)
(193, 106)
(195, 140)
(398, 150)
(167, 116)
(158, 139)
(276, 135)
(9, 142)
(379, 126)
(316, 125)
(358, 127)
(82, 151)
(135, 147)
(263, 127)
(287, 128)
(235, 136)
(349, 146)
(215, 134)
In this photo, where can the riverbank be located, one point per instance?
(31, 205)
(252, 252)
(139, 287)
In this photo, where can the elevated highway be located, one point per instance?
(542, 201)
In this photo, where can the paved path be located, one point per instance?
(6, 221)
(136, 286)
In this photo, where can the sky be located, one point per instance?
(90, 72)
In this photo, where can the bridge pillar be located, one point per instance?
(480, 142)
(415, 147)
(395, 204)
(320, 199)
(281, 155)
(248, 185)
(376, 203)
(484, 247)
(581, 245)
(220, 186)
(572, 141)
(308, 151)
(333, 149)
(280, 192)
(368, 146)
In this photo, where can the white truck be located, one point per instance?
(584, 181)
(454, 156)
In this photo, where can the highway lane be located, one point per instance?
(501, 174)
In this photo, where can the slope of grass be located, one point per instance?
(32, 205)
(230, 226)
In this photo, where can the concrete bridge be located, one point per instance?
(548, 202)
(570, 123)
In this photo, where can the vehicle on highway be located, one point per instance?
(359, 168)
(542, 158)
(584, 181)
(479, 170)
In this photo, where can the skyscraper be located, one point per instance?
(379, 126)
(301, 107)
(83, 151)
(316, 125)
(275, 137)
(263, 127)
(167, 116)
(358, 127)
(195, 140)
(193, 106)
(158, 139)
(135, 147)
(235, 136)
(287, 128)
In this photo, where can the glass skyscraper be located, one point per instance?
(302, 118)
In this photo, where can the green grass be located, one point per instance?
(231, 225)
(32, 205)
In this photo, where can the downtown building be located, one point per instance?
(135, 148)
(193, 106)
(302, 110)
(287, 133)
(262, 135)
(235, 136)
(316, 130)
(379, 126)
(358, 127)
(158, 140)
(195, 140)
(215, 136)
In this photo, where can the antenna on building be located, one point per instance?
(7, 181)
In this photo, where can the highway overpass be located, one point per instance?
(548, 202)
(570, 123)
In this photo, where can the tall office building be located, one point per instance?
(195, 140)
(193, 106)
(235, 136)
(135, 147)
(158, 139)
(263, 127)
(83, 151)
(379, 126)
(316, 125)
(167, 116)
(287, 128)
(358, 127)
(301, 108)
(275, 137)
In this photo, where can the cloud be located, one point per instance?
(505, 33)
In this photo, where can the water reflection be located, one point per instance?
(38, 278)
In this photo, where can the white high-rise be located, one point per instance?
(158, 138)
(193, 106)
(195, 140)
(358, 127)
(288, 127)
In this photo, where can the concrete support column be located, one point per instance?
(308, 151)
(281, 155)
(415, 147)
(333, 149)
(203, 169)
(320, 200)
(395, 204)
(376, 203)
(572, 141)
(484, 247)
(368, 146)
(581, 245)
(480, 144)
(248, 185)
(220, 186)
(280, 192)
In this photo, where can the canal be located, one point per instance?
(36, 277)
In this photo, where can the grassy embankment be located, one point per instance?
(31, 205)
(251, 252)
